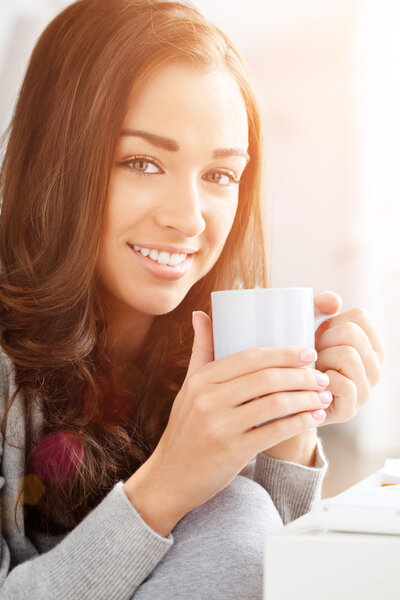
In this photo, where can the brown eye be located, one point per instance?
(143, 166)
(140, 165)
(220, 178)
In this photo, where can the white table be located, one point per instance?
(305, 562)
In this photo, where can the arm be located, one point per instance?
(108, 555)
(293, 487)
(301, 449)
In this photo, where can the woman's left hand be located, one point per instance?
(350, 352)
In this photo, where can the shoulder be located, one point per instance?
(6, 376)
(11, 408)
(12, 416)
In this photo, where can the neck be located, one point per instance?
(126, 339)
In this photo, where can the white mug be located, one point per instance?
(247, 318)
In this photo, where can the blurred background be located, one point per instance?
(327, 75)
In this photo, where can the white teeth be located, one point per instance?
(176, 259)
(153, 254)
(162, 257)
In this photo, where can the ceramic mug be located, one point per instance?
(247, 318)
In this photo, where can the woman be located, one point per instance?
(136, 143)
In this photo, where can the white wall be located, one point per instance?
(377, 95)
(21, 22)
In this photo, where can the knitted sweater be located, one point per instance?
(111, 552)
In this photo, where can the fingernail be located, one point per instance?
(319, 415)
(307, 355)
(325, 397)
(322, 378)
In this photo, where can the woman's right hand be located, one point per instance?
(211, 433)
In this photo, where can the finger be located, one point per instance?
(276, 406)
(361, 317)
(344, 404)
(203, 348)
(270, 381)
(254, 359)
(346, 361)
(327, 302)
(269, 435)
(351, 334)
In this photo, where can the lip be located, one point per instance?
(162, 271)
(169, 249)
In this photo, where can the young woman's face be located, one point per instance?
(173, 188)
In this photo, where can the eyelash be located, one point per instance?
(152, 161)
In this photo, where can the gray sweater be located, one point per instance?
(112, 551)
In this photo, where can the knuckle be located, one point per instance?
(350, 391)
(277, 403)
(315, 399)
(304, 419)
(256, 355)
(309, 377)
(203, 404)
(363, 313)
(350, 354)
(194, 381)
(216, 433)
(271, 379)
(353, 389)
(353, 330)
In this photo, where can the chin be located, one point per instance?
(157, 306)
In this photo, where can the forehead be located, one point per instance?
(190, 105)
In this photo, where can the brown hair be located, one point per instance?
(54, 180)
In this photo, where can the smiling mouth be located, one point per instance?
(161, 257)
(163, 271)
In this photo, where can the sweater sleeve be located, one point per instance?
(293, 488)
(107, 556)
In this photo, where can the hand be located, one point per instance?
(212, 431)
(350, 352)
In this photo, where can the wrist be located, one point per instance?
(301, 449)
(152, 503)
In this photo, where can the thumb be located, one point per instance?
(203, 346)
(327, 302)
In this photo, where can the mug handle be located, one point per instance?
(323, 317)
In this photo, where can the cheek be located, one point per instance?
(126, 206)
(220, 224)
(225, 217)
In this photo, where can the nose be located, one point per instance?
(181, 208)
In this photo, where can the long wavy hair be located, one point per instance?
(54, 178)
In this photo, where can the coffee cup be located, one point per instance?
(246, 318)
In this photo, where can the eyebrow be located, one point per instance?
(173, 146)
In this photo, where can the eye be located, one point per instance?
(222, 178)
(143, 166)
